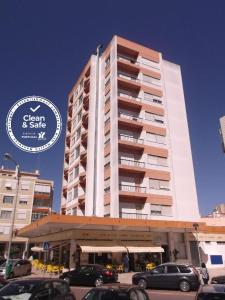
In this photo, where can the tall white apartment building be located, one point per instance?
(127, 146)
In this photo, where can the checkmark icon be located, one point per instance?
(35, 109)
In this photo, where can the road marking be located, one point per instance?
(35, 109)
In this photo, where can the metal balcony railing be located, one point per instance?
(133, 163)
(132, 97)
(138, 216)
(129, 116)
(128, 138)
(132, 188)
(127, 59)
(128, 77)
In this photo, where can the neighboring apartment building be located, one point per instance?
(127, 147)
(34, 202)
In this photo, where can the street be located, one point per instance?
(79, 292)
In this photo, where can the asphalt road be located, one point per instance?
(79, 292)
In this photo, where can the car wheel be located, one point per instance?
(98, 282)
(184, 286)
(67, 279)
(142, 283)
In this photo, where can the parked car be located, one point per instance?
(211, 292)
(90, 275)
(169, 276)
(37, 289)
(20, 267)
(3, 282)
(116, 293)
(218, 279)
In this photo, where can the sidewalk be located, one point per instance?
(126, 278)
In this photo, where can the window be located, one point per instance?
(159, 270)
(107, 62)
(69, 196)
(8, 186)
(59, 289)
(75, 192)
(107, 185)
(152, 98)
(23, 201)
(184, 269)
(70, 176)
(107, 117)
(161, 210)
(21, 215)
(149, 63)
(77, 152)
(158, 184)
(77, 134)
(207, 242)
(153, 117)
(107, 159)
(5, 214)
(107, 137)
(172, 269)
(221, 242)
(76, 171)
(152, 80)
(157, 160)
(155, 138)
(8, 199)
(25, 186)
(43, 189)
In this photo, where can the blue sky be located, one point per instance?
(45, 44)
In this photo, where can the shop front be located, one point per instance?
(75, 240)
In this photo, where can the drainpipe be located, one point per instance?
(96, 130)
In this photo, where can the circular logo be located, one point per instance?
(34, 124)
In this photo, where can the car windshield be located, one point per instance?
(211, 296)
(17, 290)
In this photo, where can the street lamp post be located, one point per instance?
(7, 156)
(196, 226)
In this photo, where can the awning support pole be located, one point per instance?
(160, 257)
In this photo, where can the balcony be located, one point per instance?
(86, 102)
(137, 216)
(128, 76)
(131, 142)
(132, 167)
(129, 96)
(127, 59)
(132, 188)
(130, 120)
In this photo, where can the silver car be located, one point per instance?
(20, 267)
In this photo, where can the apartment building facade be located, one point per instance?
(127, 146)
(34, 201)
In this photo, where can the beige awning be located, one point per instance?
(100, 247)
(142, 247)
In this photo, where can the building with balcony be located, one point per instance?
(34, 201)
(127, 146)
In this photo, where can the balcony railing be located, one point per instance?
(121, 94)
(128, 138)
(138, 216)
(133, 163)
(132, 188)
(128, 77)
(129, 116)
(127, 59)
